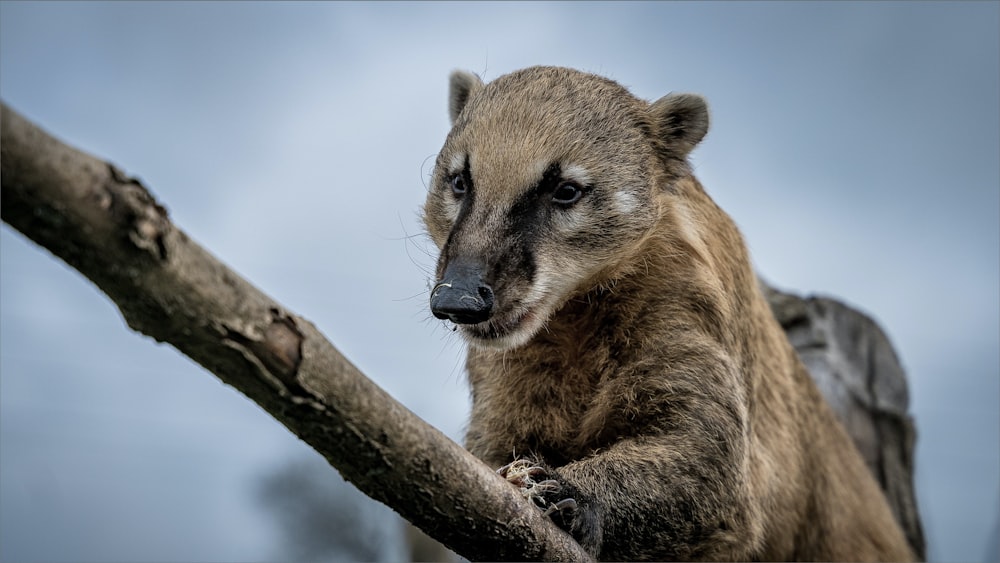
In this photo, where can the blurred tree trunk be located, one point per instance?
(110, 228)
(856, 368)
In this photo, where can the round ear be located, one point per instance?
(461, 87)
(681, 122)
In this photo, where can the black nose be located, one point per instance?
(462, 296)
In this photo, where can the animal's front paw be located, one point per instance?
(559, 500)
(536, 486)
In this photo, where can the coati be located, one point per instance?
(626, 371)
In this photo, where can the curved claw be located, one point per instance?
(535, 485)
(564, 504)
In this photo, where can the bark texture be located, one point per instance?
(110, 228)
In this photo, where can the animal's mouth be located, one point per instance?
(499, 327)
(507, 330)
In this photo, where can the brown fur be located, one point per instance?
(647, 377)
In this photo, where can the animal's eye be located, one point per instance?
(567, 193)
(458, 186)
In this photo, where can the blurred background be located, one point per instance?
(856, 145)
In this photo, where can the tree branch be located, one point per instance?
(109, 227)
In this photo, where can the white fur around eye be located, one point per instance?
(572, 218)
(451, 208)
(456, 163)
(569, 220)
(451, 205)
(576, 173)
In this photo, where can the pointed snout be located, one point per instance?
(462, 296)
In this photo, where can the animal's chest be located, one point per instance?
(549, 407)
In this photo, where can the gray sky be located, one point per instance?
(856, 145)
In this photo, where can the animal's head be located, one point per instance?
(546, 183)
